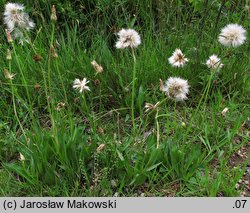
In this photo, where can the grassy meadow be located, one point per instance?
(55, 141)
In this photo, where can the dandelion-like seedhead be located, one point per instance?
(81, 85)
(176, 88)
(17, 20)
(177, 59)
(128, 38)
(232, 35)
(214, 62)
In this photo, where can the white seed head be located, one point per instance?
(177, 59)
(17, 20)
(232, 35)
(128, 38)
(214, 62)
(176, 88)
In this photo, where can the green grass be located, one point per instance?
(60, 147)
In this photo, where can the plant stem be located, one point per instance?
(22, 74)
(218, 18)
(157, 130)
(85, 107)
(133, 93)
(14, 107)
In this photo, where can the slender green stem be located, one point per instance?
(85, 107)
(157, 130)
(61, 79)
(203, 99)
(204, 96)
(100, 97)
(30, 104)
(88, 113)
(52, 34)
(22, 74)
(49, 85)
(133, 93)
(16, 115)
(158, 105)
(49, 65)
(14, 106)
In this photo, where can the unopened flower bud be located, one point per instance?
(21, 157)
(100, 130)
(100, 148)
(183, 124)
(37, 58)
(53, 52)
(98, 68)
(97, 82)
(8, 55)
(224, 112)
(8, 35)
(53, 16)
(60, 106)
(37, 87)
(161, 85)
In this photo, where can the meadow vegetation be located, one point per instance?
(58, 141)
